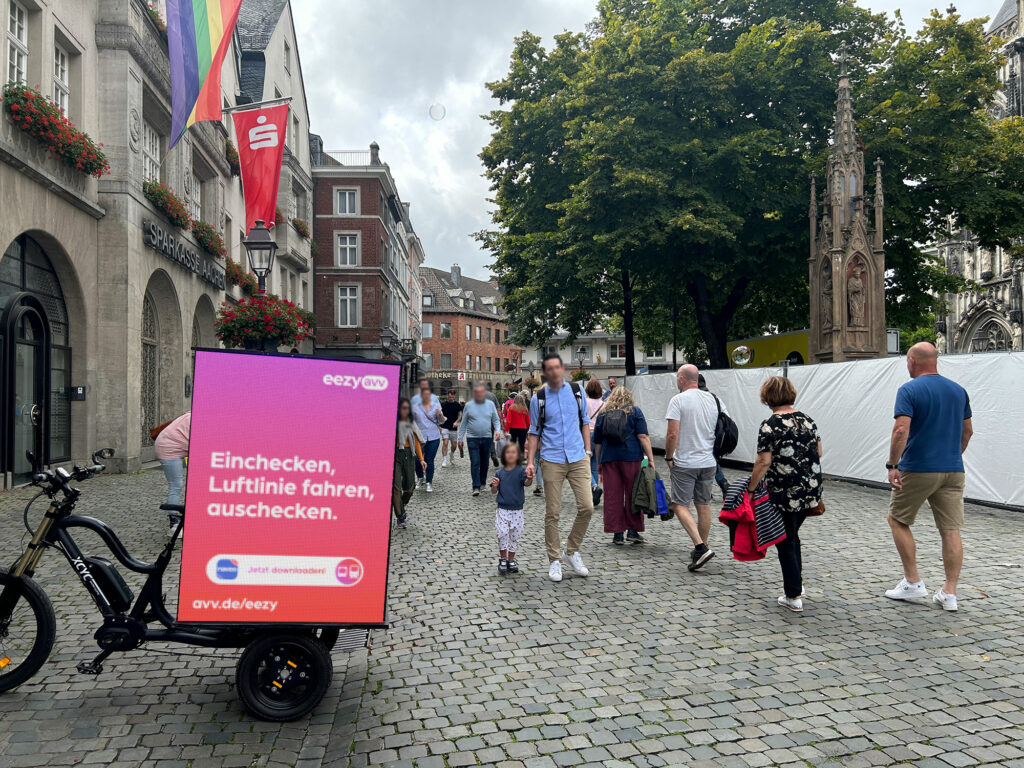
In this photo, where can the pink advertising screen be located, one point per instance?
(287, 507)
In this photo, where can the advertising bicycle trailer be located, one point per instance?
(286, 531)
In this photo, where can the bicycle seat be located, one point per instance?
(180, 508)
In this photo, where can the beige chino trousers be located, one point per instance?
(578, 475)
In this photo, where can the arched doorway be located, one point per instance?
(203, 335)
(150, 368)
(161, 391)
(35, 361)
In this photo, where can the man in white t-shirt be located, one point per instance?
(689, 451)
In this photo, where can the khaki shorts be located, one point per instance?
(692, 485)
(944, 492)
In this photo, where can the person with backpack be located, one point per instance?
(560, 425)
(696, 437)
(621, 442)
(720, 478)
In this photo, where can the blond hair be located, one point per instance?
(620, 398)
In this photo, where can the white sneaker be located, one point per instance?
(555, 571)
(907, 591)
(444, 462)
(793, 603)
(430, 488)
(576, 563)
(948, 602)
(419, 482)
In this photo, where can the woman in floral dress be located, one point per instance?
(789, 458)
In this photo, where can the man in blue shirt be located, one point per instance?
(564, 438)
(480, 426)
(932, 430)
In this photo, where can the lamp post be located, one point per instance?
(581, 355)
(260, 247)
(387, 339)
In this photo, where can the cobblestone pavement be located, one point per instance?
(641, 664)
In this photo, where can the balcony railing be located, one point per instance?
(350, 156)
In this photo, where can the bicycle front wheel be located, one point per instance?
(26, 632)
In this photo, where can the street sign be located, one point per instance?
(288, 516)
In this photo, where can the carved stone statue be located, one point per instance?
(826, 297)
(969, 263)
(1018, 338)
(940, 343)
(855, 297)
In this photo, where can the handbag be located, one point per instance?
(818, 510)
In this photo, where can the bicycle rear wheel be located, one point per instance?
(26, 633)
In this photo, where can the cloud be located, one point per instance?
(373, 69)
(372, 72)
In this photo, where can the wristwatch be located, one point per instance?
(589, 453)
(891, 466)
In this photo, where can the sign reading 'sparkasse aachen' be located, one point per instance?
(178, 250)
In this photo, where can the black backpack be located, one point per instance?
(615, 426)
(727, 434)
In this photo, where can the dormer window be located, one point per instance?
(428, 299)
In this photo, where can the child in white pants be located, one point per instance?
(509, 485)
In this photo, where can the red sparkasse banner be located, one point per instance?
(288, 510)
(260, 134)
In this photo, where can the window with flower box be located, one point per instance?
(61, 88)
(17, 42)
(150, 152)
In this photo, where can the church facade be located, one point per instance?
(847, 261)
(988, 316)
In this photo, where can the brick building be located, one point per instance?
(465, 335)
(367, 259)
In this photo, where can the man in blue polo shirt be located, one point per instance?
(932, 430)
(564, 437)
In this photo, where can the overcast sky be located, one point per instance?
(410, 74)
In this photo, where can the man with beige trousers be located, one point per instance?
(560, 425)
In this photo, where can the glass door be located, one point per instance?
(29, 396)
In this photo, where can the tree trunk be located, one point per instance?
(714, 326)
(675, 343)
(627, 322)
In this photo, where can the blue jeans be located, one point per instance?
(429, 452)
(479, 458)
(536, 465)
(174, 471)
(595, 479)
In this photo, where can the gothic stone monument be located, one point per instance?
(847, 262)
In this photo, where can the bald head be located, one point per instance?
(687, 377)
(922, 359)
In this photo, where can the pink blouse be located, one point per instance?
(172, 442)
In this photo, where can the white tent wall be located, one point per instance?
(852, 404)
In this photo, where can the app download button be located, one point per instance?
(285, 570)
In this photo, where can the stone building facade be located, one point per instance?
(988, 316)
(102, 298)
(847, 260)
(465, 334)
(368, 259)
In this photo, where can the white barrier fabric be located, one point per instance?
(852, 404)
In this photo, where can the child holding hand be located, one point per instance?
(508, 485)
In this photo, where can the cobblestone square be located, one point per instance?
(641, 664)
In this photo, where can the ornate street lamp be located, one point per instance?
(581, 355)
(387, 339)
(260, 247)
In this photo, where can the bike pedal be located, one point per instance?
(90, 668)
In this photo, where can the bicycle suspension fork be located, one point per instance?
(26, 566)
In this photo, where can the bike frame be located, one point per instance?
(54, 531)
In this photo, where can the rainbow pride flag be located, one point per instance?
(198, 36)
